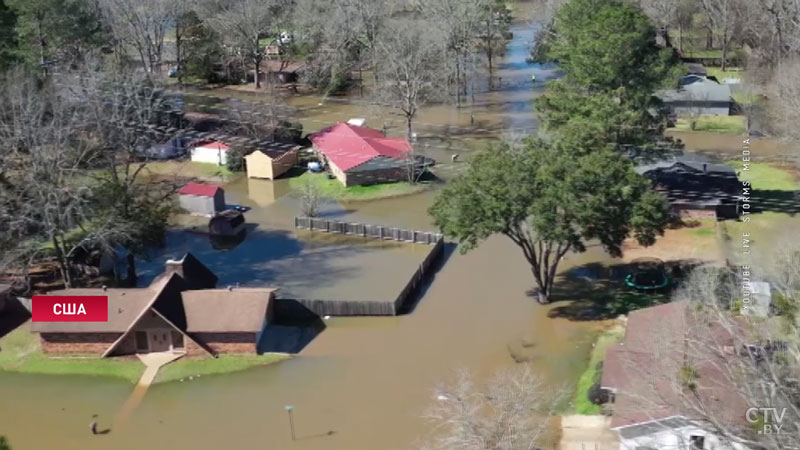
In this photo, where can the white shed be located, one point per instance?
(213, 152)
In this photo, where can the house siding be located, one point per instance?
(77, 343)
(260, 165)
(210, 155)
(201, 205)
(376, 176)
(221, 343)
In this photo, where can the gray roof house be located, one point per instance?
(695, 187)
(697, 94)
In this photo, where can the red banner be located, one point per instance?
(69, 308)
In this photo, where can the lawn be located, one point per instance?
(21, 353)
(714, 124)
(332, 188)
(184, 368)
(187, 169)
(766, 176)
(720, 75)
(591, 376)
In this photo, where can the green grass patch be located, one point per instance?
(766, 176)
(720, 74)
(714, 124)
(591, 375)
(186, 367)
(22, 353)
(333, 188)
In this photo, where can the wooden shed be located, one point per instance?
(226, 223)
(271, 160)
(202, 199)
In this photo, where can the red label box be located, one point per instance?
(69, 308)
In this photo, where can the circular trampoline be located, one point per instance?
(647, 274)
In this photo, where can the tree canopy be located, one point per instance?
(550, 202)
(604, 45)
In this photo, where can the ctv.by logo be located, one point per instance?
(766, 420)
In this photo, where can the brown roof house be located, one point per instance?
(181, 312)
(658, 381)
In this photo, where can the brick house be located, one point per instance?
(180, 311)
(359, 155)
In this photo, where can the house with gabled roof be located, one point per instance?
(179, 312)
(359, 155)
(660, 376)
(202, 199)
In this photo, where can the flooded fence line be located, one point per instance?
(291, 308)
(367, 230)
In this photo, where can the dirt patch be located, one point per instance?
(698, 242)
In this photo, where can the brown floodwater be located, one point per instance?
(363, 383)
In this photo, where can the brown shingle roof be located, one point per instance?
(223, 310)
(124, 305)
(645, 368)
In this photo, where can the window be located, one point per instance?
(177, 340)
(697, 442)
(141, 341)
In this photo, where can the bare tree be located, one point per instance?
(459, 21)
(492, 41)
(309, 198)
(245, 23)
(662, 13)
(725, 20)
(509, 412)
(141, 24)
(410, 72)
(785, 99)
(44, 200)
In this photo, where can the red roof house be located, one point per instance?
(360, 155)
(202, 199)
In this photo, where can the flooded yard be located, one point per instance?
(363, 383)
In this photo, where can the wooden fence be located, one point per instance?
(367, 230)
(387, 307)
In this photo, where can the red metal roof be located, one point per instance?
(200, 189)
(348, 146)
(216, 145)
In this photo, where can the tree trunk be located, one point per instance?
(258, 73)
(724, 54)
(458, 82)
(408, 127)
(131, 278)
(178, 44)
(709, 39)
(63, 265)
(680, 38)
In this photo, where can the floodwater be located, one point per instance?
(363, 383)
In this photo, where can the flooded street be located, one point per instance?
(363, 383)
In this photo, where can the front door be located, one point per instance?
(159, 340)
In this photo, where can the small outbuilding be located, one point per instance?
(211, 152)
(202, 199)
(272, 160)
(226, 223)
(758, 303)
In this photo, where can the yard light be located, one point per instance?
(290, 410)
